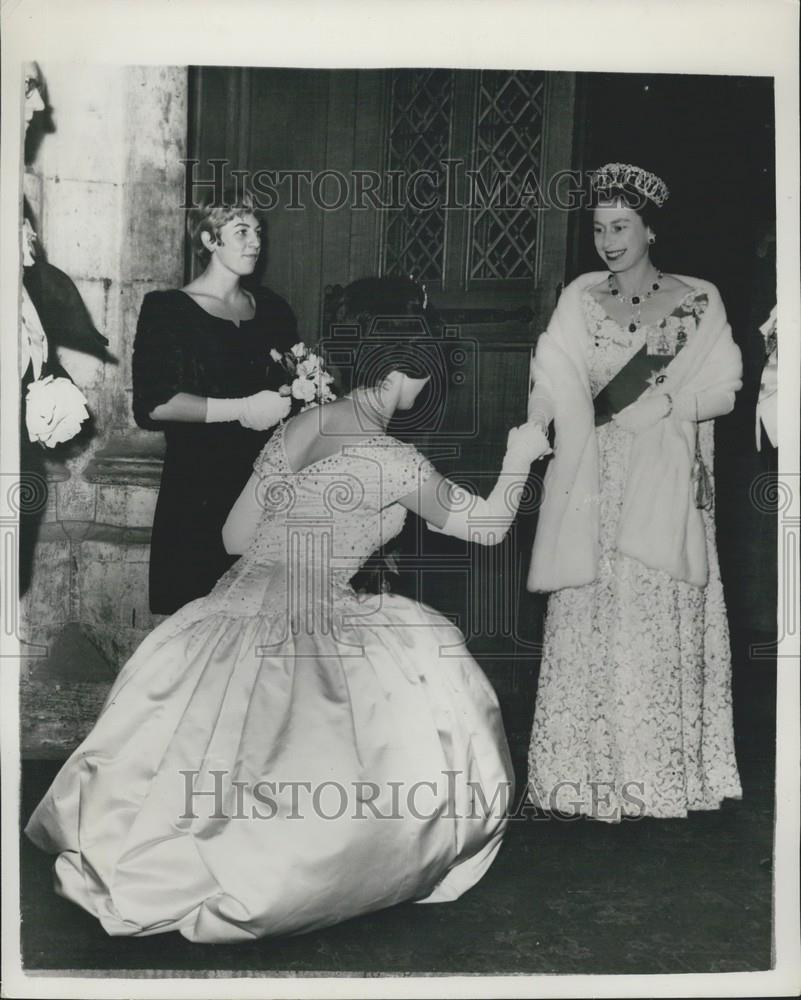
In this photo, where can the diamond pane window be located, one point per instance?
(508, 153)
(419, 138)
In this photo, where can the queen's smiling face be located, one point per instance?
(621, 236)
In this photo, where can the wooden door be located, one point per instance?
(490, 258)
(293, 133)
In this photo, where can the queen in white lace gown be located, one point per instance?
(633, 714)
(284, 754)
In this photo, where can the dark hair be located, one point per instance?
(383, 325)
(211, 214)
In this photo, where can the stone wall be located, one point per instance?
(105, 186)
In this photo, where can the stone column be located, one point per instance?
(106, 187)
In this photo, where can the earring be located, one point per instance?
(651, 240)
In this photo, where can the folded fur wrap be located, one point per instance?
(659, 525)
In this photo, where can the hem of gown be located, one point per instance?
(712, 805)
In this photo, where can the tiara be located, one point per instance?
(613, 175)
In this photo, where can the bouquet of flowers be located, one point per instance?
(55, 408)
(310, 383)
(52, 315)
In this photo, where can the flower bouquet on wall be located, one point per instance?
(52, 408)
(52, 315)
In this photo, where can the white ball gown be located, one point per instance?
(282, 755)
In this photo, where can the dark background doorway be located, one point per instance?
(710, 138)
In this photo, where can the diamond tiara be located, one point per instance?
(613, 175)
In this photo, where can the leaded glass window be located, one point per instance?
(421, 107)
(491, 123)
(507, 157)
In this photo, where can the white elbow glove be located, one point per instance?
(259, 412)
(487, 521)
(540, 407)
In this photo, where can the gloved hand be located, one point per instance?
(263, 410)
(487, 521)
(524, 445)
(258, 412)
(644, 412)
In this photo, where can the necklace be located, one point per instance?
(635, 301)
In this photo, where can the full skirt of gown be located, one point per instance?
(246, 778)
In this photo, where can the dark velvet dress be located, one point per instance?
(179, 347)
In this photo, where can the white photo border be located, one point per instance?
(713, 37)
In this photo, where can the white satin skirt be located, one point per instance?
(242, 781)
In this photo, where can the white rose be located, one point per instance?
(299, 350)
(276, 355)
(55, 408)
(307, 369)
(305, 389)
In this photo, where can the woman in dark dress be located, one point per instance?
(203, 375)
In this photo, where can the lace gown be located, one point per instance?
(633, 713)
(282, 755)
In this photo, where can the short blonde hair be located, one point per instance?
(211, 215)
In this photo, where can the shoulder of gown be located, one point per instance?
(276, 312)
(165, 301)
(158, 363)
(700, 286)
(585, 281)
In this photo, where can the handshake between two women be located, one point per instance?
(486, 521)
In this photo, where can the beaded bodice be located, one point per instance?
(317, 527)
(344, 505)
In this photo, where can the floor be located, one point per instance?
(654, 896)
